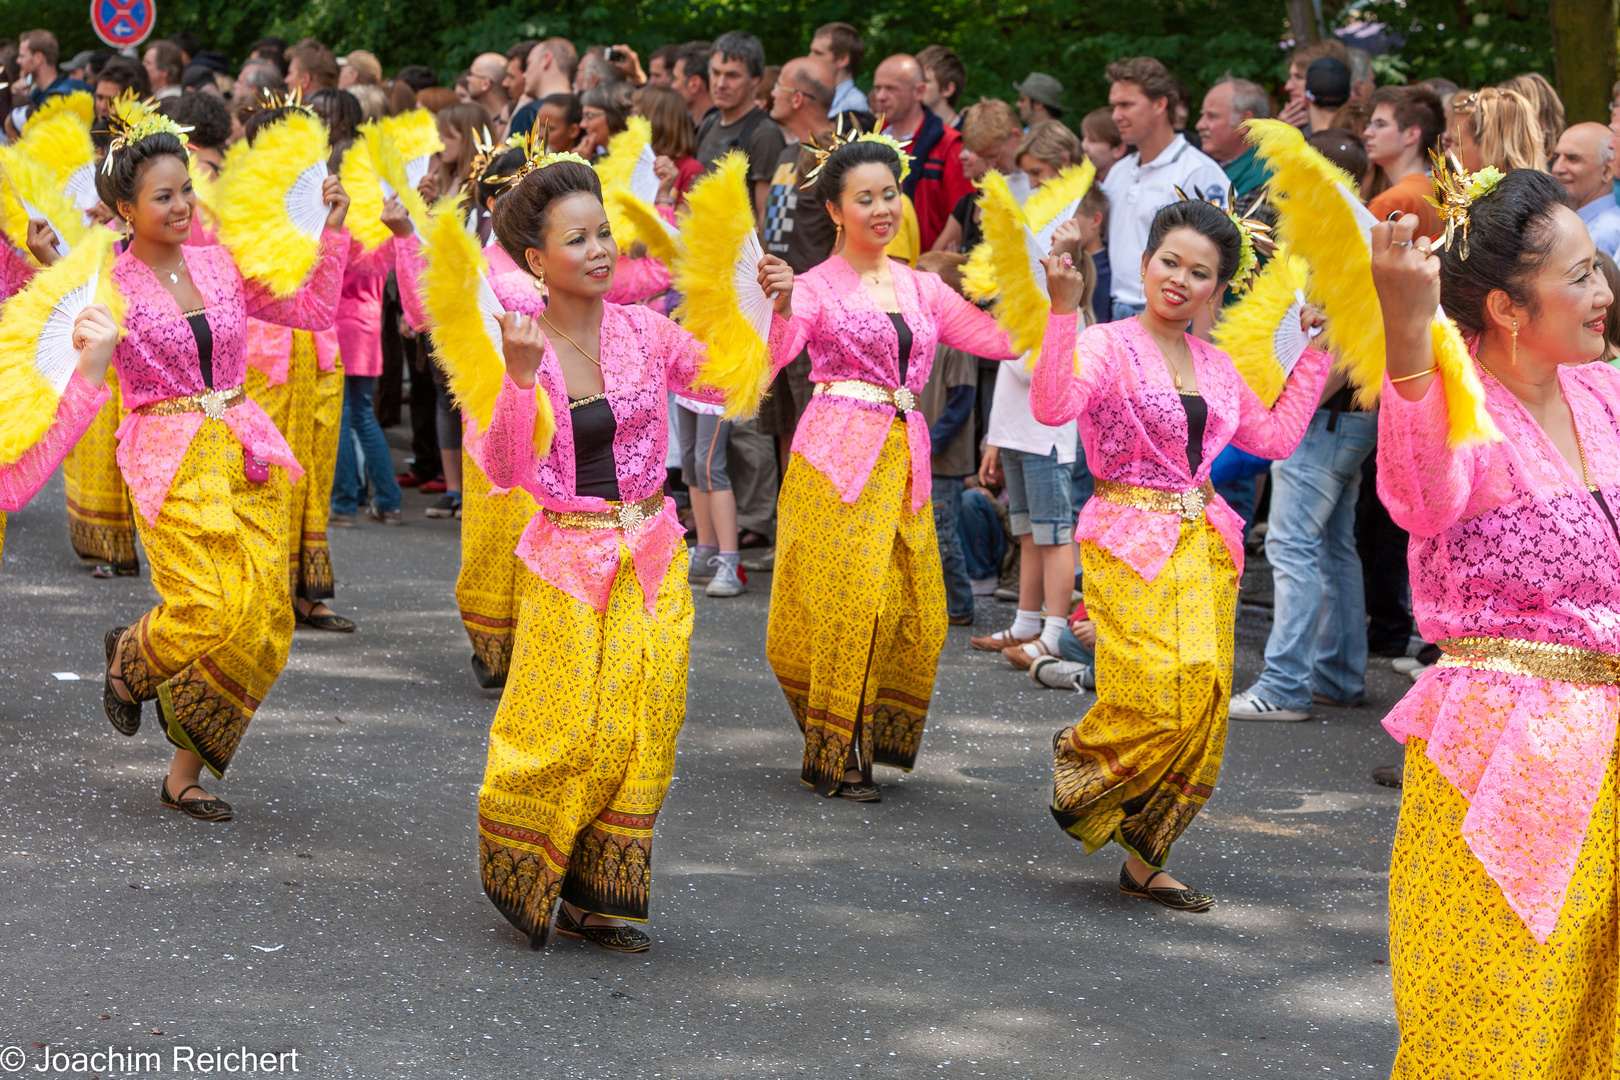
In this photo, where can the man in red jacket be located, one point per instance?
(935, 183)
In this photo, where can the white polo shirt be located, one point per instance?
(1136, 192)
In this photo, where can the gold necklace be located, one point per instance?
(1580, 448)
(571, 341)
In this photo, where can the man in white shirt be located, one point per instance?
(838, 45)
(1584, 164)
(1142, 96)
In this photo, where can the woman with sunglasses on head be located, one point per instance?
(208, 471)
(1162, 551)
(1505, 877)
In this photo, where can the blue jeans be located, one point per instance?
(1039, 501)
(947, 507)
(1122, 310)
(1082, 485)
(1318, 641)
(979, 535)
(359, 421)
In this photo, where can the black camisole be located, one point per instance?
(198, 321)
(904, 331)
(595, 472)
(1197, 420)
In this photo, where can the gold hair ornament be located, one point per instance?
(132, 119)
(539, 157)
(270, 99)
(1254, 235)
(1455, 191)
(837, 138)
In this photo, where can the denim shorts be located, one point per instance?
(1039, 500)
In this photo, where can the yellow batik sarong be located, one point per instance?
(1142, 762)
(211, 649)
(857, 616)
(1475, 995)
(308, 409)
(489, 587)
(583, 748)
(101, 522)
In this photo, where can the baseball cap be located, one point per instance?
(80, 59)
(365, 65)
(1327, 83)
(1041, 87)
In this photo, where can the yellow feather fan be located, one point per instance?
(415, 135)
(30, 190)
(364, 187)
(1317, 219)
(1021, 305)
(36, 353)
(79, 104)
(1041, 212)
(391, 168)
(61, 143)
(268, 201)
(615, 170)
(206, 189)
(463, 309)
(644, 224)
(1248, 329)
(717, 238)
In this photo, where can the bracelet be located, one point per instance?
(1417, 375)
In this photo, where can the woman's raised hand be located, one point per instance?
(95, 335)
(333, 195)
(664, 168)
(776, 278)
(1311, 319)
(42, 241)
(1064, 284)
(1407, 278)
(523, 344)
(396, 217)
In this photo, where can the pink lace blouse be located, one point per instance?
(1507, 542)
(75, 411)
(849, 337)
(269, 344)
(15, 271)
(644, 356)
(1134, 429)
(157, 359)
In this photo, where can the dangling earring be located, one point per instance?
(1514, 359)
(838, 234)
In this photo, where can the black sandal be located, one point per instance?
(209, 809)
(125, 716)
(1190, 900)
(862, 791)
(337, 624)
(613, 938)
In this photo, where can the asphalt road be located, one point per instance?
(950, 931)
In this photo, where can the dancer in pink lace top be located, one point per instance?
(1505, 879)
(1162, 552)
(857, 601)
(208, 470)
(582, 749)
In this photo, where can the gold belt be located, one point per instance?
(211, 403)
(1536, 659)
(1188, 504)
(622, 516)
(902, 399)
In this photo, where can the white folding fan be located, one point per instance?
(490, 310)
(1364, 217)
(305, 206)
(751, 299)
(1289, 342)
(35, 212)
(81, 188)
(643, 178)
(55, 357)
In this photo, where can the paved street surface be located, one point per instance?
(951, 931)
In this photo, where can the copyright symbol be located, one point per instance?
(12, 1059)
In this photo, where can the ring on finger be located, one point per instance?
(1425, 245)
(1068, 260)
(1402, 243)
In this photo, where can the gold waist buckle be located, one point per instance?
(1189, 505)
(902, 399)
(211, 403)
(1535, 659)
(622, 516)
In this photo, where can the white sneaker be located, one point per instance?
(1416, 672)
(1247, 706)
(726, 581)
(1405, 665)
(1058, 674)
(699, 572)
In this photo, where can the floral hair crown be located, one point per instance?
(1254, 235)
(1455, 190)
(538, 155)
(132, 119)
(270, 99)
(839, 139)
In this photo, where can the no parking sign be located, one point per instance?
(123, 23)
